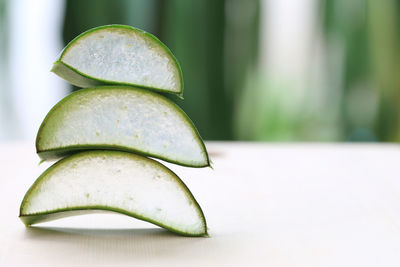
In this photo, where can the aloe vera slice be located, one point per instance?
(121, 118)
(114, 181)
(119, 54)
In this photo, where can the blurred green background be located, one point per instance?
(270, 70)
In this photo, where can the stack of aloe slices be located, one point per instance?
(104, 133)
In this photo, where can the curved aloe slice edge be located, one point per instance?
(81, 79)
(56, 126)
(52, 189)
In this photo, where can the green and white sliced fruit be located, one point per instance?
(118, 182)
(121, 118)
(119, 54)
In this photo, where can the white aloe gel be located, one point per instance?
(122, 118)
(119, 54)
(115, 181)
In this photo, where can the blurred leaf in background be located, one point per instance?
(384, 25)
(345, 26)
(368, 32)
(285, 97)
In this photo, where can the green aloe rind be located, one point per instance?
(121, 118)
(113, 181)
(121, 55)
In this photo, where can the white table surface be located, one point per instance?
(265, 204)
